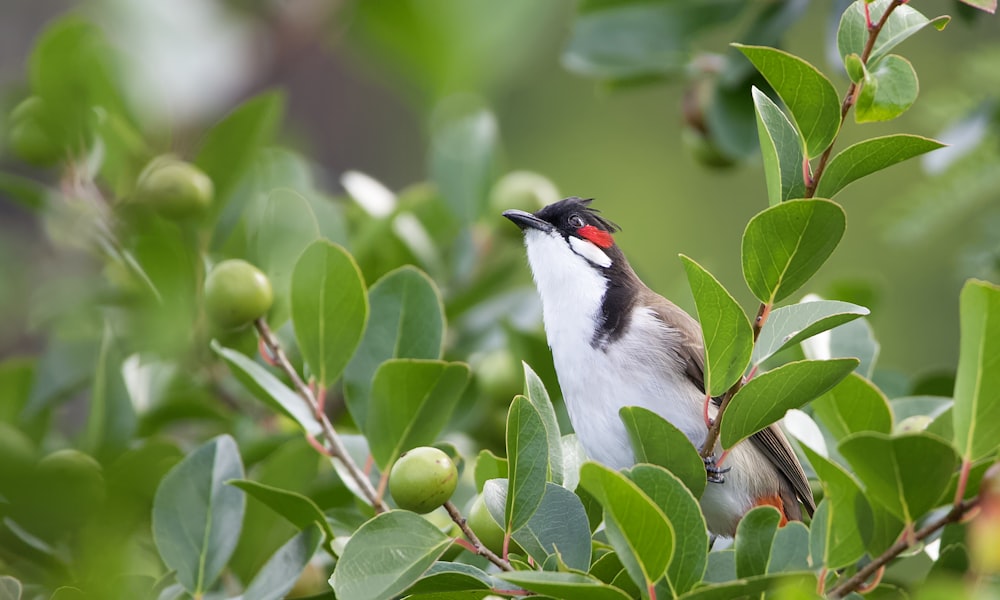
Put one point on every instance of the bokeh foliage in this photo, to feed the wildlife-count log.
(146, 453)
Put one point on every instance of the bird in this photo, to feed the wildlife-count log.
(616, 343)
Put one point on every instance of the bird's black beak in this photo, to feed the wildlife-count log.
(526, 220)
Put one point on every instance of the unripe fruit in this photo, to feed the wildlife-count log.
(71, 488)
(487, 530)
(423, 479)
(237, 293)
(174, 188)
(27, 136)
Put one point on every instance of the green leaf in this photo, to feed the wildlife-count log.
(657, 441)
(197, 517)
(632, 40)
(637, 528)
(329, 309)
(855, 68)
(111, 419)
(789, 325)
(558, 525)
(754, 539)
(808, 94)
(73, 70)
(282, 230)
(765, 398)
(450, 577)
(887, 91)
(366, 571)
(297, 509)
(564, 585)
(754, 587)
(269, 389)
(790, 550)
(64, 367)
(282, 570)
(977, 382)
(852, 34)
(68, 593)
(725, 329)
(840, 529)
(412, 401)
(910, 473)
(26, 192)
(781, 150)
(989, 6)
(462, 155)
(721, 566)
(667, 491)
(10, 588)
(853, 405)
(406, 320)
(489, 466)
(886, 529)
(869, 156)
(228, 149)
(784, 245)
(853, 339)
(527, 456)
(538, 396)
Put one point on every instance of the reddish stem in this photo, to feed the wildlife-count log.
(963, 481)
(316, 445)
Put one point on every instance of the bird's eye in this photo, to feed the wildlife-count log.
(576, 221)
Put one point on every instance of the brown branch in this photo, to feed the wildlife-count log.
(857, 580)
(850, 98)
(333, 443)
(479, 547)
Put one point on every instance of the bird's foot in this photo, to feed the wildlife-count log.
(715, 474)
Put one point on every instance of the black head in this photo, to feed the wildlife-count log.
(570, 237)
(573, 218)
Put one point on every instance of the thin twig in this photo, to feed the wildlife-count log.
(334, 444)
(479, 547)
(858, 579)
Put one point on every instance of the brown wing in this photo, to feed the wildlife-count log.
(770, 441)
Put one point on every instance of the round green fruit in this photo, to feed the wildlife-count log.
(423, 479)
(174, 188)
(490, 534)
(71, 487)
(237, 293)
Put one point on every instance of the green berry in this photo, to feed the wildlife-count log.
(423, 479)
(487, 530)
(174, 188)
(237, 293)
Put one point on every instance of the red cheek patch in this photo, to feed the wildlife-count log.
(599, 237)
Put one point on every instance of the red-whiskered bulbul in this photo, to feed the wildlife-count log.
(617, 343)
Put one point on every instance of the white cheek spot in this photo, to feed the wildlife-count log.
(590, 251)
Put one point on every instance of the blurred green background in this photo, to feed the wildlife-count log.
(366, 81)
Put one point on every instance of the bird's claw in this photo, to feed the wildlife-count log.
(715, 474)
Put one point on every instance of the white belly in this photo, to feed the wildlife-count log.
(596, 384)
